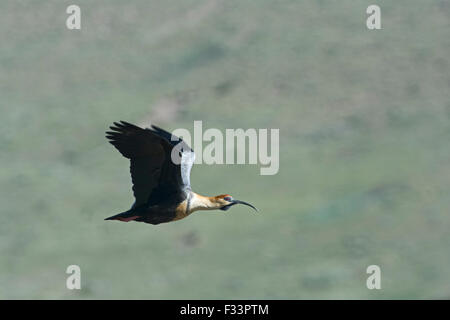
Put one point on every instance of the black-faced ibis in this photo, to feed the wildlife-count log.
(161, 185)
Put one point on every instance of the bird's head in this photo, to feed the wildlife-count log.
(225, 202)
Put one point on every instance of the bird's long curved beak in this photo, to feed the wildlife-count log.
(246, 203)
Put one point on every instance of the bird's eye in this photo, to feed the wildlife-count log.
(227, 198)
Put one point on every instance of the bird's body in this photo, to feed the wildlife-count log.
(160, 166)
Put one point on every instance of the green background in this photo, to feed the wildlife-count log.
(364, 148)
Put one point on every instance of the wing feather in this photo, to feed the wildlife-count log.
(153, 172)
(146, 156)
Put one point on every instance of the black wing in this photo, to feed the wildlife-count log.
(181, 154)
(150, 151)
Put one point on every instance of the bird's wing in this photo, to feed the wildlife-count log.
(146, 155)
(152, 168)
(182, 157)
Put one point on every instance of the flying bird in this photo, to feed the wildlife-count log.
(160, 166)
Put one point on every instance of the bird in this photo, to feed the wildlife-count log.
(160, 167)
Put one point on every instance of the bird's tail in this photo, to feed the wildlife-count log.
(124, 216)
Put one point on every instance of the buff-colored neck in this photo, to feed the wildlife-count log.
(199, 202)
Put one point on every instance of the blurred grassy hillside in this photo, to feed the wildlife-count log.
(364, 148)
